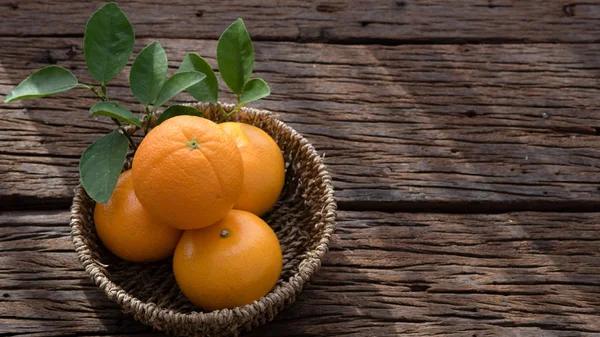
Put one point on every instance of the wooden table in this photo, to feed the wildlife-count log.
(463, 138)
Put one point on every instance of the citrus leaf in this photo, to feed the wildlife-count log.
(148, 73)
(100, 165)
(176, 84)
(114, 110)
(254, 89)
(44, 82)
(235, 56)
(107, 42)
(178, 110)
(208, 89)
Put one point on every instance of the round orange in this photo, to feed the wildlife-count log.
(231, 263)
(187, 172)
(128, 231)
(264, 168)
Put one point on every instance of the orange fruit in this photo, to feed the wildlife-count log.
(128, 230)
(187, 172)
(264, 168)
(231, 263)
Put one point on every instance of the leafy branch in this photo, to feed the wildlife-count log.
(108, 44)
(235, 58)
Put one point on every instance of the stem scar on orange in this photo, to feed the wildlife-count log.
(234, 262)
(264, 167)
(187, 172)
(128, 231)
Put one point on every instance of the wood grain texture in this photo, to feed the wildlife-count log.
(515, 274)
(411, 113)
(371, 21)
(436, 127)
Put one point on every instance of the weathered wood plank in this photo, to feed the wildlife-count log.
(344, 21)
(516, 274)
(412, 127)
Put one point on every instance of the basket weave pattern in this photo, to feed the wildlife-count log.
(303, 219)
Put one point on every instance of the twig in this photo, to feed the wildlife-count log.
(103, 87)
(125, 133)
(232, 112)
(102, 97)
(149, 117)
(105, 98)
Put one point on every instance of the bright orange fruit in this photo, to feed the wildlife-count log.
(264, 170)
(187, 172)
(234, 262)
(128, 231)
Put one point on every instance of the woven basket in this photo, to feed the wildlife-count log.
(303, 218)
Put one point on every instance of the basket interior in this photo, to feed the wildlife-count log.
(296, 219)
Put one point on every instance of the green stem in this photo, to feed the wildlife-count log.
(103, 88)
(82, 85)
(125, 133)
(223, 112)
(149, 116)
(231, 113)
(105, 98)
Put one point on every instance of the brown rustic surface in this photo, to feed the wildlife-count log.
(401, 127)
(465, 121)
(338, 21)
(393, 273)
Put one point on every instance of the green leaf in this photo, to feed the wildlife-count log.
(114, 110)
(178, 110)
(235, 56)
(44, 82)
(107, 42)
(176, 84)
(208, 89)
(148, 73)
(101, 164)
(254, 89)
